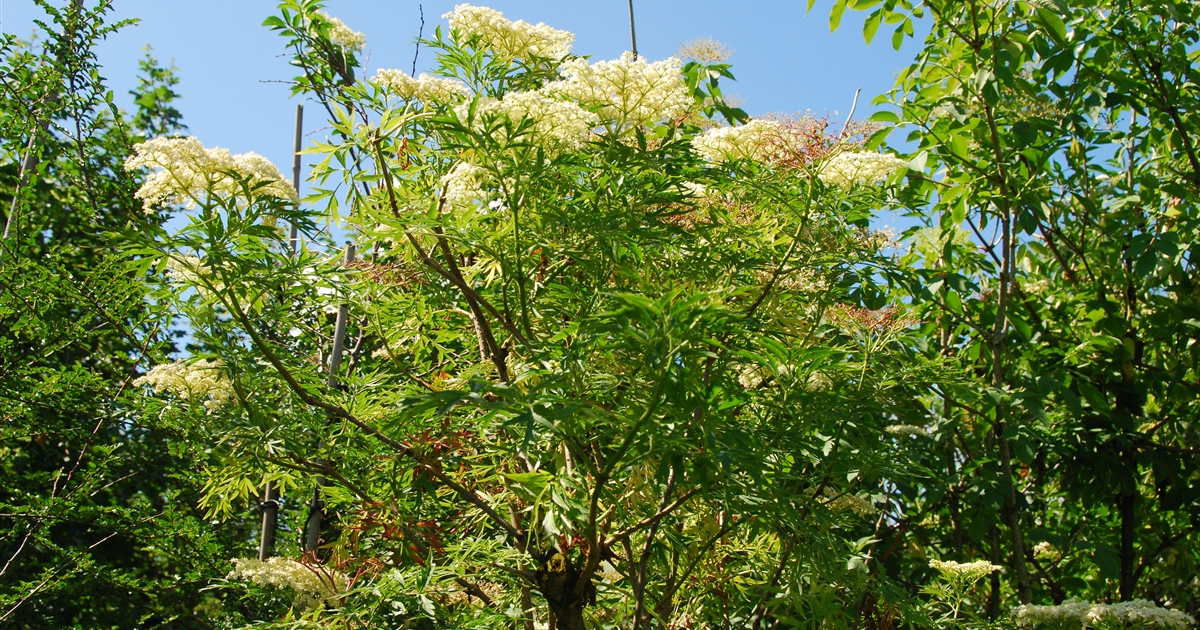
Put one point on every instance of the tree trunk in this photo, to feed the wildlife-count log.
(1127, 503)
(566, 596)
(1012, 515)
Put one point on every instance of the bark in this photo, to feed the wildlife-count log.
(1127, 503)
(558, 580)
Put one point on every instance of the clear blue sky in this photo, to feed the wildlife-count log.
(230, 66)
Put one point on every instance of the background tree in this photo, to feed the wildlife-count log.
(98, 513)
(1058, 208)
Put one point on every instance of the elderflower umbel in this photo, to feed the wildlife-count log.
(704, 50)
(905, 430)
(557, 125)
(424, 88)
(970, 571)
(508, 39)
(190, 270)
(312, 586)
(1077, 614)
(463, 185)
(751, 141)
(853, 168)
(341, 35)
(193, 381)
(626, 92)
(185, 172)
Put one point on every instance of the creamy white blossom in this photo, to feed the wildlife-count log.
(855, 168)
(195, 381)
(1077, 615)
(185, 172)
(341, 35)
(749, 141)
(423, 88)
(905, 430)
(508, 39)
(704, 50)
(626, 92)
(311, 585)
(969, 571)
(929, 241)
(557, 125)
(1045, 551)
(464, 185)
(190, 270)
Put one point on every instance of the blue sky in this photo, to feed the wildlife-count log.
(231, 68)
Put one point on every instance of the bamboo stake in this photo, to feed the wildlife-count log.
(270, 499)
(632, 31)
(317, 506)
(294, 237)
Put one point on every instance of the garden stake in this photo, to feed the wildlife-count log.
(270, 501)
(317, 506)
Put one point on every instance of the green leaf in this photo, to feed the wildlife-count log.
(885, 116)
(835, 16)
(871, 25)
(1054, 25)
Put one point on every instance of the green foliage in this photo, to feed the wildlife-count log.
(97, 514)
(1053, 261)
(611, 382)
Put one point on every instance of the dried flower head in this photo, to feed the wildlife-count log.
(626, 92)
(349, 39)
(186, 172)
(508, 39)
(704, 50)
(424, 88)
(860, 168)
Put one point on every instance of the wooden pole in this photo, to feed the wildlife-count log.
(294, 236)
(270, 499)
(316, 507)
(632, 30)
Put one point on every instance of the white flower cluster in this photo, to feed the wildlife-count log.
(969, 571)
(626, 92)
(1045, 551)
(312, 586)
(186, 172)
(424, 88)
(349, 39)
(464, 185)
(190, 270)
(905, 430)
(193, 381)
(508, 39)
(1138, 613)
(557, 125)
(704, 50)
(929, 241)
(853, 168)
(852, 503)
(750, 141)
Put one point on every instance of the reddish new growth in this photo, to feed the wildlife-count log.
(387, 273)
(802, 140)
(884, 320)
